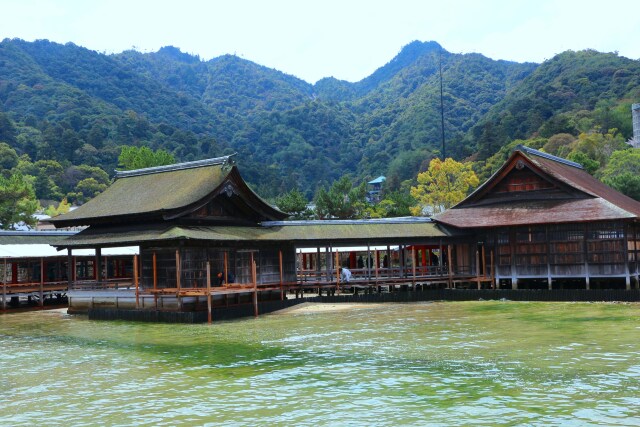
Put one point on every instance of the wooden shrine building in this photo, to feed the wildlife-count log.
(34, 274)
(548, 223)
(206, 239)
(199, 220)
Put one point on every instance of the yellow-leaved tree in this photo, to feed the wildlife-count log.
(443, 185)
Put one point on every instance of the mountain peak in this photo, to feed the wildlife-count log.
(176, 54)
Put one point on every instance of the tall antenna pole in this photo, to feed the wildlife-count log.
(444, 153)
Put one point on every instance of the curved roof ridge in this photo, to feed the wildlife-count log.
(224, 160)
(548, 156)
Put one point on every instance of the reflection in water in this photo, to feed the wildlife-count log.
(490, 362)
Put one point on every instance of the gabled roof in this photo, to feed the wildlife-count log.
(572, 195)
(168, 192)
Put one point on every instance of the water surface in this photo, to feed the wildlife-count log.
(469, 363)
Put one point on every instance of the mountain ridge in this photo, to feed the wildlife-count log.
(288, 132)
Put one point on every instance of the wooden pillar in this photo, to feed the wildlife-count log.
(413, 265)
(226, 268)
(402, 259)
(484, 261)
(98, 266)
(548, 246)
(155, 280)
(514, 268)
(136, 281)
(377, 263)
(493, 271)
(635, 251)
(281, 275)
(478, 268)
(337, 265)
(178, 276)
(627, 273)
(586, 257)
(4, 286)
(41, 294)
(388, 261)
(209, 311)
(69, 269)
(254, 278)
(450, 267)
(369, 261)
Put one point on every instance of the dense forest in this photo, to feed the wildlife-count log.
(66, 112)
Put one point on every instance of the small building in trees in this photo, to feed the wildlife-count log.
(374, 189)
(547, 223)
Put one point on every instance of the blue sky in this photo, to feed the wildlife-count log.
(340, 38)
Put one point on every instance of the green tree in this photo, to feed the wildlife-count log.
(342, 201)
(87, 189)
(443, 185)
(627, 183)
(8, 157)
(589, 164)
(295, 204)
(394, 204)
(620, 162)
(143, 157)
(18, 202)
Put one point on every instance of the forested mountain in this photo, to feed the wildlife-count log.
(77, 108)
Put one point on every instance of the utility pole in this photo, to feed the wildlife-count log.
(444, 153)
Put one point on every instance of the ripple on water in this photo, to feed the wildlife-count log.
(492, 363)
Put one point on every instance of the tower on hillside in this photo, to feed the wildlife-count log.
(635, 114)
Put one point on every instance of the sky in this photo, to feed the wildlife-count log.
(345, 39)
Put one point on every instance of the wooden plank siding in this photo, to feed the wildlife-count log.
(598, 250)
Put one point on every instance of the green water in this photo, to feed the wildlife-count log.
(476, 363)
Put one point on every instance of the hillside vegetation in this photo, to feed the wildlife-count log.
(66, 112)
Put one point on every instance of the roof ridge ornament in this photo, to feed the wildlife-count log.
(226, 161)
(548, 156)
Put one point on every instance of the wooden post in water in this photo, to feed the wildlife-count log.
(155, 280)
(209, 317)
(281, 276)
(136, 280)
(41, 282)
